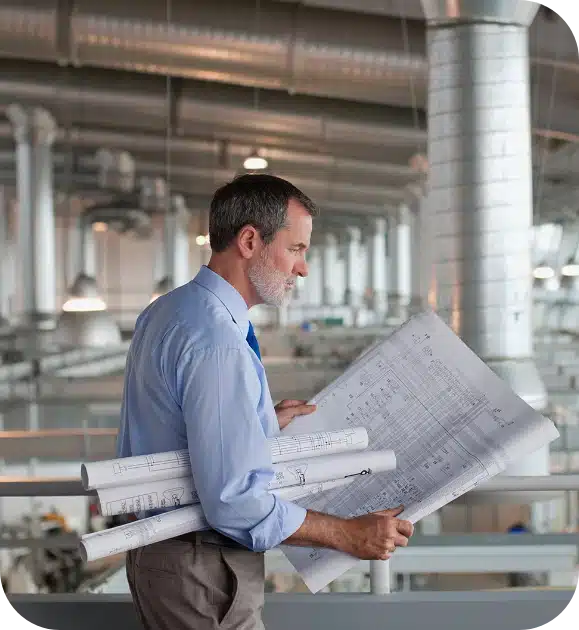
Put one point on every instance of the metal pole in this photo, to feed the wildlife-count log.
(380, 577)
(529, 483)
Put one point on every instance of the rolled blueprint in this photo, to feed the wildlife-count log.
(175, 464)
(175, 523)
(154, 495)
(300, 472)
(144, 532)
(167, 493)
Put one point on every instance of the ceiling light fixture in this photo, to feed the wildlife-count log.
(255, 162)
(84, 296)
(543, 272)
(571, 269)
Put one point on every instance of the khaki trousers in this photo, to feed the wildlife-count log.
(198, 585)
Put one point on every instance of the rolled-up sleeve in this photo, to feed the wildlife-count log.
(229, 450)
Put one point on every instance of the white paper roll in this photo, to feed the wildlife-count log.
(174, 523)
(167, 493)
(154, 495)
(127, 471)
(332, 467)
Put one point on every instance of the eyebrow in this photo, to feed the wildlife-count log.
(300, 245)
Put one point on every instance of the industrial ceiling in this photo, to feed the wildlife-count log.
(333, 92)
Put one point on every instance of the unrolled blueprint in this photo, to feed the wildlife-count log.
(172, 464)
(175, 523)
(169, 493)
(451, 421)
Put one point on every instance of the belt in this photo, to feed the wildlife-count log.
(210, 537)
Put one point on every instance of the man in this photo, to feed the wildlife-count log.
(194, 379)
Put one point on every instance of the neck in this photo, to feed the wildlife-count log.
(234, 272)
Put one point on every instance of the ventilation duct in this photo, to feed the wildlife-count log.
(281, 46)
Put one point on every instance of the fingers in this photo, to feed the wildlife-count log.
(400, 540)
(391, 511)
(384, 556)
(290, 402)
(300, 410)
(405, 527)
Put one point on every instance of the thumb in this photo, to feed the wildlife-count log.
(391, 511)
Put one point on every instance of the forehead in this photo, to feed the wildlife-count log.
(299, 220)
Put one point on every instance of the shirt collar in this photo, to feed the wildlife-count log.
(227, 294)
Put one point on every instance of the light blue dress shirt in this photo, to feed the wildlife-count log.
(192, 381)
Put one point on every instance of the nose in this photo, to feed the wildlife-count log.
(301, 268)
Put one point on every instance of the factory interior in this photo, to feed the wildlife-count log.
(438, 140)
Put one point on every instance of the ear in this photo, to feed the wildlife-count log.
(248, 241)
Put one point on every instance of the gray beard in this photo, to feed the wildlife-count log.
(269, 283)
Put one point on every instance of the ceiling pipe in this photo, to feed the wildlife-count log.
(329, 190)
(214, 152)
(137, 103)
(282, 45)
(197, 194)
(92, 97)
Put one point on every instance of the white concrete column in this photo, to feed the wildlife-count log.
(34, 132)
(353, 292)
(176, 243)
(329, 262)
(416, 301)
(4, 252)
(399, 264)
(377, 267)
(568, 264)
(481, 213)
(88, 254)
(313, 283)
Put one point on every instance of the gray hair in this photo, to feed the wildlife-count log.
(257, 200)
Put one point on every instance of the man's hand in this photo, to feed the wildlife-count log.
(287, 410)
(375, 536)
(372, 536)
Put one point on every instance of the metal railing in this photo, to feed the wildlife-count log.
(380, 572)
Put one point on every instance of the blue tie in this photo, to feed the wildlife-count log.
(252, 341)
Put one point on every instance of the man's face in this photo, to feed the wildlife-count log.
(274, 273)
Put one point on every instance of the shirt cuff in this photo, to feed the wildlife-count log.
(289, 517)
